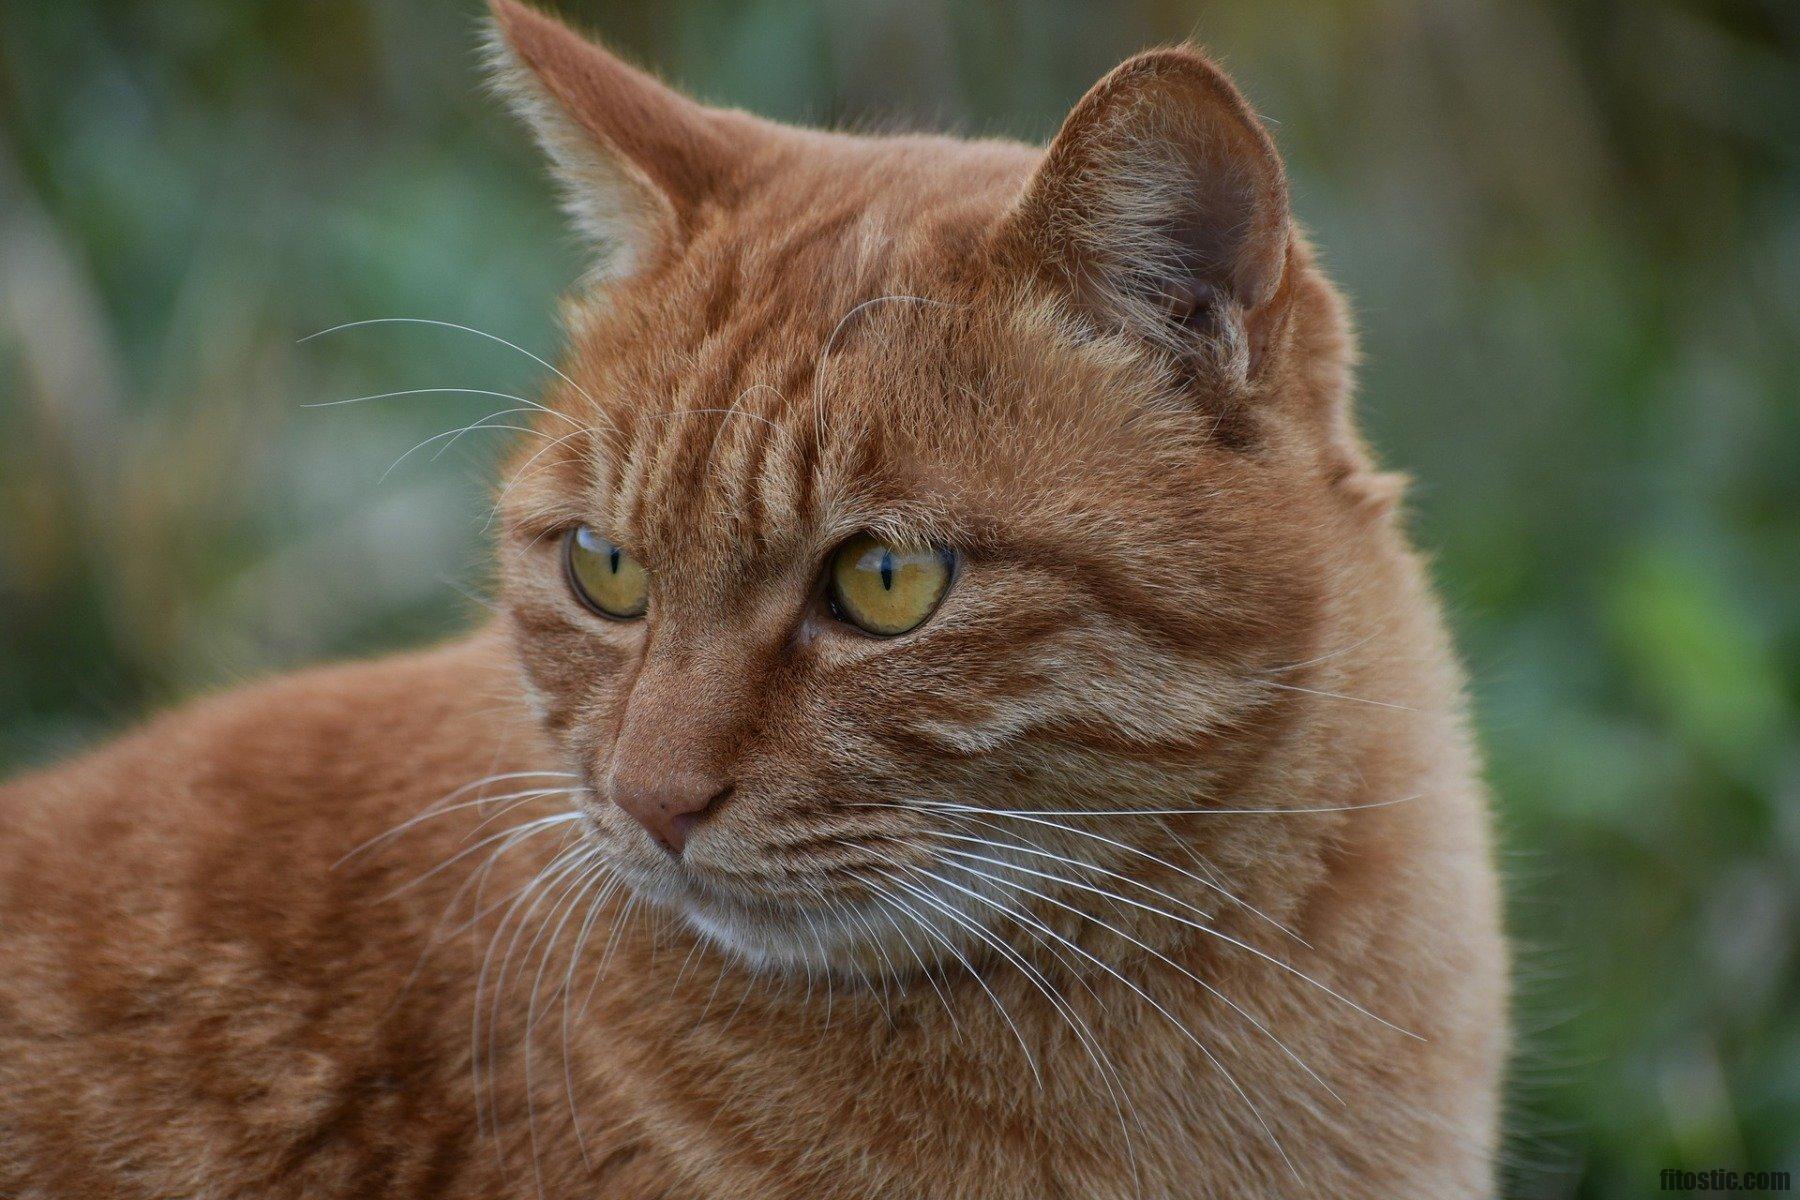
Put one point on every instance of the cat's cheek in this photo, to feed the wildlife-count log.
(573, 672)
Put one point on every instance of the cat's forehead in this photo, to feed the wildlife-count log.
(772, 432)
(803, 374)
(880, 397)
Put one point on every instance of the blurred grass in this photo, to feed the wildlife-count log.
(1572, 233)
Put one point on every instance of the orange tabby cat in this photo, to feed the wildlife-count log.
(964, 721)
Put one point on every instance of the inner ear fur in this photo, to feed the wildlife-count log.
(635, 158)
(1162, 207)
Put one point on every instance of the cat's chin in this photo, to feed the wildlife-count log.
(761, 940)
(774, 935)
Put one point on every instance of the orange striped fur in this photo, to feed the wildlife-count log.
(1154, 864)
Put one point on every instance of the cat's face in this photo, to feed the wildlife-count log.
(864, 546)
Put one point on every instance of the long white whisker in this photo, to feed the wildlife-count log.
(968, 812)
(454, 434)
(487, 1114)
(1284, 668)
(881, 894)
(568, 904)
(524, 471)
(1186, 812)
(880, 998)
(1209, 931)
(1293, 687)
(1147, 998)
(538, 825)
(1090, 1043)
(728, 412)
(1039, 851)
(613, 937)
(818, 398)
(992, 942)
(1209, 874)
(462, 329)
(1209, 988)
(596, 869)
(440, 810)
(824, 966)
(598, 902)
(528, 402)
(534, 892)
(475, 880)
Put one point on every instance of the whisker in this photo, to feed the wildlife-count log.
(619, 921)
(1177, 812)
(882, 895)
(1115, 1084)
(1108, 968)
(728, 412)
(1284, 668)
(568, 905)
(681, 972)
(530, 404)
(476, 878)
(535, 826)
(880, 998)
(596, 869)
(1030, 848)
(480, 333)
(985, 937)
(966, 811)
(546, 878)
(1293, 687)
(525, 471)
(439, 810)
(1209, 988)
(455, 434)
(1210, 932)
(824, 966)
(598, 901)
(818, 398)
(486, 1113)
(894, 975)
(1208, 875)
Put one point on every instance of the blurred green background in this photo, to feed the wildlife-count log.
(1571, 232)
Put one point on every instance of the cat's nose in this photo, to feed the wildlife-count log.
(668, 804)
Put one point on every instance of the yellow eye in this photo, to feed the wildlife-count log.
(883, 589)
(606, 579)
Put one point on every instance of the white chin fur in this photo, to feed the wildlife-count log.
(771, 941)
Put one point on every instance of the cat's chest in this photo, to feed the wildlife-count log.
(693, 1077)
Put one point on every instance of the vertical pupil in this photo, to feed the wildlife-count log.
(612, 560)
(887, 570)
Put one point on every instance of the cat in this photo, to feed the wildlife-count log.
(962, 719)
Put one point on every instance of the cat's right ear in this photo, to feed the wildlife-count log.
(635, 158)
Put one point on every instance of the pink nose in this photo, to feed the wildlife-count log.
(667, 804)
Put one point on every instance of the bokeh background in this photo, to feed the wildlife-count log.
(1571, 232)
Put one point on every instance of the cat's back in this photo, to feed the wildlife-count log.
(310, 749)
(193, 964)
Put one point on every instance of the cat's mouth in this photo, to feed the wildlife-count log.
(750, 903)
(780, 928)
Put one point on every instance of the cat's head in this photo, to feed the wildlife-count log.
(902, 498)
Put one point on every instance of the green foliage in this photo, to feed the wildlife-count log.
(1572, 233)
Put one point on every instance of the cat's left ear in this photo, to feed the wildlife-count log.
(1163, 207)
(635, 158)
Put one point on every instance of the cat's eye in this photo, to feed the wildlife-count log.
(604, 577)
(885, 589)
